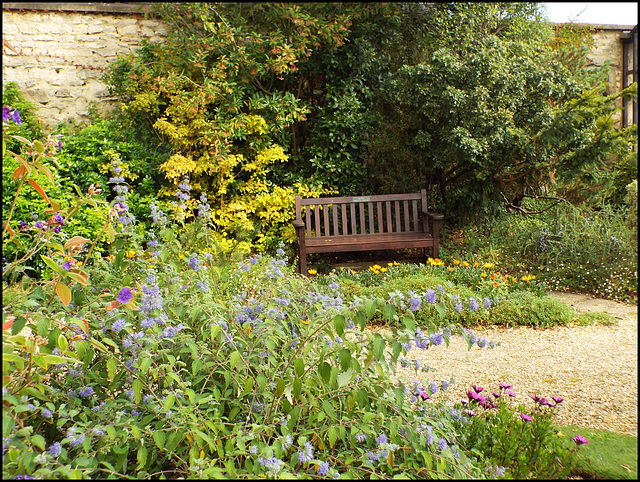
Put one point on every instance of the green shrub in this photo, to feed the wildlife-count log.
(524, 308)
(632, 217)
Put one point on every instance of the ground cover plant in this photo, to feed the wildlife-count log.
(153, 361)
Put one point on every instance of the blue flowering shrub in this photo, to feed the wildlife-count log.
(160, 362)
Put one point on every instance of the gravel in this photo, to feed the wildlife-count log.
(593, 368)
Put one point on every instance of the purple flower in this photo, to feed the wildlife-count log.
(442, 444)
(482, 342)
(459, 307)
(580, 440)
(125, 296)
(557, 399)
(59, 218)
(306, 454)
(437, 339)
(47, 413)
(118, 325)
(477, 388)
(55, 450)
(505, 385)
(473, 304)
(66, 265)
(382, 439)
(361, 437)
(496, 394)
(6, 113)
(526, 417)
(78, 441)
(86, 392)
(194, 263)
(487, 303)
(431, 296)
(423, 394)
(16, 117)
(59, 146)
(511, 394)
(323, 468)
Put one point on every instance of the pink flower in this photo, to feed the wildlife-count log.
(505, 385)
(527, 418)
(558, 399)
(580, 440)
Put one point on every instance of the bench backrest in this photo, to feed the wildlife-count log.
(360, 215)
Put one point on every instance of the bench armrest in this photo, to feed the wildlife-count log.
(434, 216)
(298, 224)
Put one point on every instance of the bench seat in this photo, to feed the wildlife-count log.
(365, 223)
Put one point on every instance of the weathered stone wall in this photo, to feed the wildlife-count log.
(608, 47)
(57, 57)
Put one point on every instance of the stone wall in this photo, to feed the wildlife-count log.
(57, 56)
(57, 52)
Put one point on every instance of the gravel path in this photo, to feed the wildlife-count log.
(593, 368)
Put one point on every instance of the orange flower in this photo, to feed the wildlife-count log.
(496, 284)
(465, 264)
(456, 262)
(450, 269)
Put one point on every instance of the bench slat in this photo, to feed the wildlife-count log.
(415, 216)
(405, 205)
(325, 215)
(344, 220)
(354, 228)
(316, 210)
(380, 223)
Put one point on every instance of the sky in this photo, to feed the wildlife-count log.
(595, 13)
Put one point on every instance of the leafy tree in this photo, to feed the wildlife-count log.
(220, 92)
(490, 112)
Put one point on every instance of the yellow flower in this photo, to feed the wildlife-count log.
(395, 263)
(130, 254)
(450, 269)
(484, 275)
(476, 264)
(383, 270)
(390, 263)
(465, 264)
(456, 262)
(312, 272)
(353, 271)
(488, 265)
(375, 271)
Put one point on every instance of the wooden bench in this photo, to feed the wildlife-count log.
(365, 223)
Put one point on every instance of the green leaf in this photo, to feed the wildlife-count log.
(144, 366)
(409, 322)
(112, 365)
(339, 323)
(361, 320)
(325, 371)
(18, 325)
(234, 358)
(344, 356)
(389, 311)
(137, 389)
(328, 408)
(370, 307)
(52, 264)
(345, 378)
(63, 344)
(111, 432)
(280, 386)
(298, 364)
(142, 456)
(168, 402)
(39, 441)
(262, 381)
(159, 438)
(297, 388)
(332, 433)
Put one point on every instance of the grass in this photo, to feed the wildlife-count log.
(608, 455)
